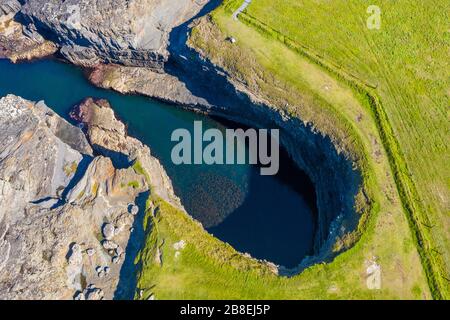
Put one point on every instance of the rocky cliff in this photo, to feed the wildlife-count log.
(17, 42)
(128, 32)
(127, 53)
(67, 213)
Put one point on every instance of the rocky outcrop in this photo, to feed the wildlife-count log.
(60, 204)
(18, 42)
(108, 136)
(40, 154)
(162, 86)
(133, 33)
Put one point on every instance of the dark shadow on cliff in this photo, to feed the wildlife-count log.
(205, 80)
(183, 65)
(126, 287)
(118, 159)
(79, 174)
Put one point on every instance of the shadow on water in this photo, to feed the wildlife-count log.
(126, 287)
(79, 174)
(278, 218)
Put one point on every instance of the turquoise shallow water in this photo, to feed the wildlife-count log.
(270, 217)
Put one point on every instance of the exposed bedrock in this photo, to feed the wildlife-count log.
(128, 32)
(58, 200)
(108, 137)
(18, 42)
(335, 178)
(333, 174)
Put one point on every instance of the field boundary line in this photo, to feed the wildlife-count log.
(418, 221)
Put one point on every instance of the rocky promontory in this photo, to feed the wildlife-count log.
(17, 41)
(67, 212)
(141, 47)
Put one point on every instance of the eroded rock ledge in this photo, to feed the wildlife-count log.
(66, 215)
(121, 31)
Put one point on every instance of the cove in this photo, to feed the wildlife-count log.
(270, 217)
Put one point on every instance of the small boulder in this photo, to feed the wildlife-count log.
(179, 245)
(134, 210)
(373, 280)
(108, 231)
(158, 257)
(231, 39)
(75, 256)
(90, 252)
(109, 245)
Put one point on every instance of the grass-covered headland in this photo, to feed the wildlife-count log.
(382, 96)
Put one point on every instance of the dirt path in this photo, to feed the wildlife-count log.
(241, 8)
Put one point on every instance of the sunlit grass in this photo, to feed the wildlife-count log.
(381, 96)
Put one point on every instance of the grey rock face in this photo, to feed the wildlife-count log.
(108, 231)
(50, 251)
(39, 153)
(128, 32)
(106, 132)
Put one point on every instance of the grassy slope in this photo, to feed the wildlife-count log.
(407, 61)
(207, 268)
(429, 227)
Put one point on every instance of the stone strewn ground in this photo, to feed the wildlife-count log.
(65, 216)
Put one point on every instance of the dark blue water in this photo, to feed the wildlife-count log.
(270, 217)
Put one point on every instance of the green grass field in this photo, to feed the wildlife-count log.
(209, 269)
(408, 62)
(382, 96)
